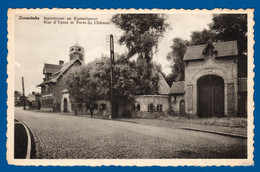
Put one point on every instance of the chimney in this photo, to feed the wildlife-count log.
(61, 62)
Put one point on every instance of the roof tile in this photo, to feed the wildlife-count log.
(222, 49)
(177, 87)
(163, 85)
(51, 68)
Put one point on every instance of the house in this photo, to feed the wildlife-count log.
(34, 100)
(212, 87)
(54, 93)
(18, 98)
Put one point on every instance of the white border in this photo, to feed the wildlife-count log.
(127, 162)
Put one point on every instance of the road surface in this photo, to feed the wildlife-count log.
(59, 136)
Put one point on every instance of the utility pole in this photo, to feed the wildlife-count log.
(112, 74)
(23, 94)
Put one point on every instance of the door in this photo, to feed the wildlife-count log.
(182, 107)
(210, 96)
(65, 105)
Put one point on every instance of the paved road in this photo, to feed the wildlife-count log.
(62, 136)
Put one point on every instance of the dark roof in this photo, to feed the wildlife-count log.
(51, 68)
(163, 86)
(222, 49)
(44, 83)
(19, 93)
(177, 87)
(58, 74)
(64, 68)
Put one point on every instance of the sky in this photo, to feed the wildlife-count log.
(37, 43)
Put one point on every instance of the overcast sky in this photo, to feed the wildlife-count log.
(37, 43)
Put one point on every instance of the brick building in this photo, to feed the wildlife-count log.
(53, 88)
(212, 86)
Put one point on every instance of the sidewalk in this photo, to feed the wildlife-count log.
(229, 131)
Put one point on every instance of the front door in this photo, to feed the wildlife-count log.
(65, 105)
(182, 107)
(210, 96)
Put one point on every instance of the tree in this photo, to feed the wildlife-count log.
(141, 34)
(91, 82)
(225, 27)
(175, 56)
(230, 27)
(201, 37)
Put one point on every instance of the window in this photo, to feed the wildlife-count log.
(159, 107)
(103, 106)
(47, 89)
(136, 107)
(151, 107)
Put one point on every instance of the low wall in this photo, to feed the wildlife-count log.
(145, 100)
(147, 114)
(47, 109)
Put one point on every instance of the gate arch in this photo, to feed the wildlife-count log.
(210, 96)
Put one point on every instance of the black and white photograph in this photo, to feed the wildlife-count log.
(130, 87)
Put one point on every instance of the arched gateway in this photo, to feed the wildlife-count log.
(210, 96)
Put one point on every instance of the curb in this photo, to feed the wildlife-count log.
(194, 129)
(215, 132)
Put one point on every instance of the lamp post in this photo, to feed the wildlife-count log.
(23, 94)
(112, 59)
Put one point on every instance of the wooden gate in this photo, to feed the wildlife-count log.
(210, 96)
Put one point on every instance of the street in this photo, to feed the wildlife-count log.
(59, 136)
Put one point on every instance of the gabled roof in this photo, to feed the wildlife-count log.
(64, 68)
(19, 93)
(76, 45)
(221, 49)
(177, 88)
(51, 68)
(58, 74)
(164, 88)
(225, 49)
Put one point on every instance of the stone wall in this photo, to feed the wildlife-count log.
(145, 100)
(97, 112)
(148, 115)
(225, 67)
